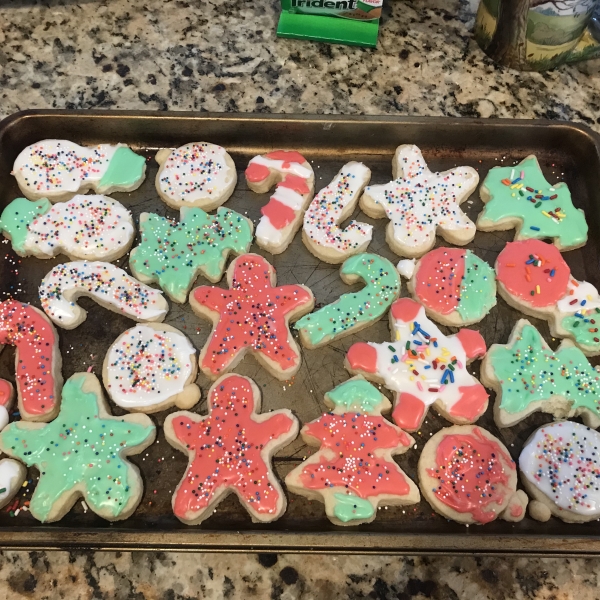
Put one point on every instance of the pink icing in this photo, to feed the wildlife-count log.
(472, 343)
(405, 309)
(256, 172)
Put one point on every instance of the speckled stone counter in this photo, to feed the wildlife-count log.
(222, 55)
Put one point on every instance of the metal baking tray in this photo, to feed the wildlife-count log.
(567, 152)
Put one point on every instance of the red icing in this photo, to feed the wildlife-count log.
(362, 357)
(405, 309)
(6, 393)
(516, 510)
(355, 440)
(439, 278)
(471, 404)
(287, 156)
(521, 279)
(472, 343)
(34, 337)
(225, 450)
(471, 475)
(409, 411)
(256, 172)
(252, 316)
(278, 213)
(293, 182)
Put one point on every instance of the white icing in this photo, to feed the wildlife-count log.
(195, 172)
(89, 226)
(57, 166)
(3, 417)
(584, 291)
(571, 463)
(406, 267)
(289, 197)
(10, 478)
(420, 201)
(145, 366)
(278, 165)
(266, 233)
(321, 220)
(105, 283)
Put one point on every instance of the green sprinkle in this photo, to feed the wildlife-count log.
(538, 204)
(392, 348)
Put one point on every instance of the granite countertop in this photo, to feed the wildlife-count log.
(222, 55)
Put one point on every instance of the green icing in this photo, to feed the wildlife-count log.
(172, 253)
(18, 215)
(356, 394)
(506, 202)
(529, 372)
(349, 507)
(78, 447)
(124, 169)
(350, 310)
(478, 288)
(579, 328)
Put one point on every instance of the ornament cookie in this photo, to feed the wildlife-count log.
(455, 286)
(230, 450)
(321, 232)
(354, 472)
(86, 227)
(282, 215)
(150, 368)
(38, 360)
(356, 310)
(560, 469)
(534, 278)
(520, 198)
(423, 367)
(528, 376)
(59, 169)
(468, 475)
(173, 254)
(82, 453)
(421, 203)
(108, 285)
(251, 316)
(197, 174)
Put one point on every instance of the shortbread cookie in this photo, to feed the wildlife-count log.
(173, 254)
(455, 286)
(282, 215)
(534, 278)
(356, 310)
(520, 198)
(560, 468)
(468, 475)
(354, 472)
(59, 169)
(420, 203)
(38, 360)
(322, 233)
(82, 453)
(86, 227)
(197, 174)
(108, 285)
(528, 376)
(230, 451)
(251, 316)
(423, 367)
(150, 368)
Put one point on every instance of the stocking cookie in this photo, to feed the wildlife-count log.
(59, 169)
(560, 469)
(282, 215)
(150, 368)
(422, 366)
(82, 453)
(197, 174)
(520, 197)
(86, 227)
(356, 310)
(230, 451)
(251, 316)
(420, 203)
(321, 232)
(173, 254)
(534, 278)
(37, 360)
(353, 472)
(108, 285)
(467, 475)
(528, 376)
(455, 286)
